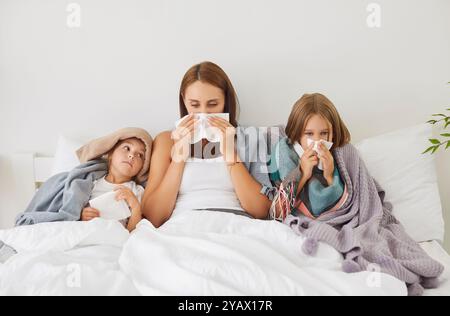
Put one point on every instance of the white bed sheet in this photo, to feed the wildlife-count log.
(74, 258)
(435, 250)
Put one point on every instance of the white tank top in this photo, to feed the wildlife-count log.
(206, 184)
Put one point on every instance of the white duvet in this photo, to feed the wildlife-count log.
(195, 253)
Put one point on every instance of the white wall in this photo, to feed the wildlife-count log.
(124, 65)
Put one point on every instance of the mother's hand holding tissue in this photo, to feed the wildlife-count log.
(183, 137)
(227, 139)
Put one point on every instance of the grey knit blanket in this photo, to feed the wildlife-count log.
(63, 197)
(365, 231)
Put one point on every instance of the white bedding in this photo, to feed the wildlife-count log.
(435, 250)
(196, 253)
(75, 258)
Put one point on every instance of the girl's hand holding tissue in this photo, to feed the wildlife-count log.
(89, 213)
(308, 161)
(123, 193)
(328, 162)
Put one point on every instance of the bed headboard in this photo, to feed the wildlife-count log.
(30, 171)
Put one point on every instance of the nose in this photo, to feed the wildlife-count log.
(315, 138)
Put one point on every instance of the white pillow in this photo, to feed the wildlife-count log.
(65, 155)
(409, 178)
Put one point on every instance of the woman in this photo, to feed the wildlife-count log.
(204, 176)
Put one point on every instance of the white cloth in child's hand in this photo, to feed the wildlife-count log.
(300, 151)
(204, 130)
(110, 208)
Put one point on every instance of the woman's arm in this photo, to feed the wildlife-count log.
(162, 189)
(248, 191)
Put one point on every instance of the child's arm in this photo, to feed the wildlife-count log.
(123, 193)
(136, 217)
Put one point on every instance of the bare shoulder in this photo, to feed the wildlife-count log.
(162, 149)
(164, 140)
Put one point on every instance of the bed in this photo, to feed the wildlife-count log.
(236, 257)
(208, 253)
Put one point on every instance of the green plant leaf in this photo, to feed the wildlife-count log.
(428, 150)
(446, 135)
(435, 149)
(447, 124)
(442, 115)
(432, 122)
(448, 145)
(435, 141)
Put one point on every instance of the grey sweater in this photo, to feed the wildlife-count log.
(254, 151)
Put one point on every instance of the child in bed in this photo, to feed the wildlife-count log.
(125, 162)
(302, 166)
(73, 195)
(331, 197)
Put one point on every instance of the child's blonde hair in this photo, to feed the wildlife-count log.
(316, 104)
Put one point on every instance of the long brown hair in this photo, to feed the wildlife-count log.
(309, 105)
(212, 74)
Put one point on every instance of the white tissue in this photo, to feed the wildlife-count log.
(109, 208)
(300, 151)
(204, 130)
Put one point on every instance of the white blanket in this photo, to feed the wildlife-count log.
(70, 258)
(195, 253)
(213, 253)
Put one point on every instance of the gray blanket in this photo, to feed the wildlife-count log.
(63, 197)
(365, 231)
